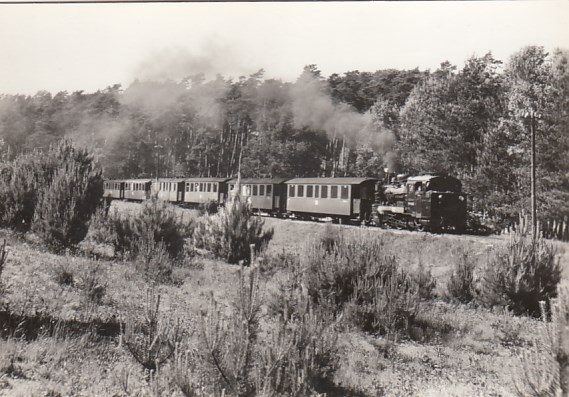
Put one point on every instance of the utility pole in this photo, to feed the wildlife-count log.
(533, 181)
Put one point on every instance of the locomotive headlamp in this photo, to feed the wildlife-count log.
(440, 196)
(461, 198)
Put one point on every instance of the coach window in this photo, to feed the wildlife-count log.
(291, 190)
(333, 192)
(344, 192)
(209, 187)
(324, 192)
(255, 188)
(214, 187)
(201, 187)
(269, 189)
(309, 191)
(317, 191)
(300, 192)
(261, 190)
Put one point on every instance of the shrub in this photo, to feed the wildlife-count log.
(294, 357)
(424, 281)
(63, 273)
(229, 233)
(68, 198)
(92, 283)
(208, 208)
(156, 223)
(354, 278)
(543, 369)
(18, 192)
(461, 285)
(152, 341)
(521, 274)
(153, 260)
(101, 228)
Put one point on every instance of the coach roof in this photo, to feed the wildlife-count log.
(329, 181)
(260, 181)
(206, 179)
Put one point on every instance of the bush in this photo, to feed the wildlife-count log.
(543, 369)
(156, 223)
(521, 274)
(461, 285)
(54, 192)
(65, 207)
(18, 192)
(351, 277)
(208, 208)
(229, 233)
(152, 341)
(296, 355)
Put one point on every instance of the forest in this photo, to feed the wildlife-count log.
(471, 121)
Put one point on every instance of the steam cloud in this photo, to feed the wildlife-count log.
(214, 57)
(313, 108)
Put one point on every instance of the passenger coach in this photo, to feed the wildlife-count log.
(137, 189)
(114, 189)
(342, 199)
(264, 194)
(169, 189)
(203, 190)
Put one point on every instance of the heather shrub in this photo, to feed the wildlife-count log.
(230, 233)
(156, 223)
(461, 284)
(521, 274)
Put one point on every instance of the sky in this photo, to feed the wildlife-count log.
(57, 47)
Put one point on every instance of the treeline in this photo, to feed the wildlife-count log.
(473, 122)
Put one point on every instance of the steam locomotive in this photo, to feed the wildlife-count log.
(424, 202)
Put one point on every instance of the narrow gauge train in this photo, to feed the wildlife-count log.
(425, 202)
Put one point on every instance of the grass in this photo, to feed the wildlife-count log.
(473, 354)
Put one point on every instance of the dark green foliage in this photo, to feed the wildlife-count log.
(230, 233)
(461, 285)
(156, 223)
(520, 275)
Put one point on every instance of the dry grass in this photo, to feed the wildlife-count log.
(474, 356)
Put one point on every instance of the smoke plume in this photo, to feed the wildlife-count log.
(314, 108)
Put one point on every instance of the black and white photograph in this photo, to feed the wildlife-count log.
(284, 199)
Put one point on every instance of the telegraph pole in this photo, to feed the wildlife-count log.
(533, 179)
